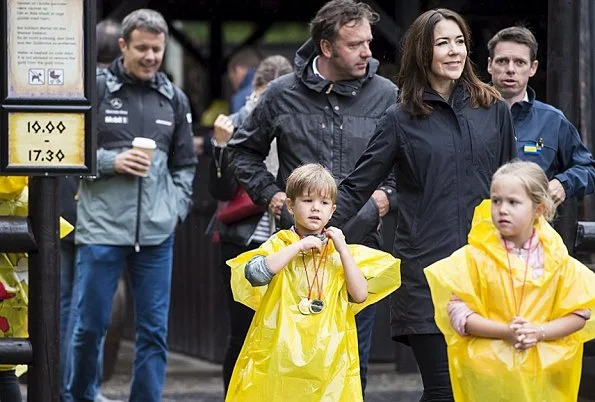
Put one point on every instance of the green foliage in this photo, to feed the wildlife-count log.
(237, 32)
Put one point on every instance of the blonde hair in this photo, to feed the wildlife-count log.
(534, 181)
(311, 178)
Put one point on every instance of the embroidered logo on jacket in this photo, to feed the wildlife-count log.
(163, 122)
(116, 119)
(116, 103)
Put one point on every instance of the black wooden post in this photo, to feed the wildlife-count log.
(44, 291)
(563, 91)
(216, 67)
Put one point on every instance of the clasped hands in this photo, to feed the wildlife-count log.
(524, 334)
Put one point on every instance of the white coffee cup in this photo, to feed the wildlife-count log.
(145, 145)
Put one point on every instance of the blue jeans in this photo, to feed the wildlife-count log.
(67, 280)
(99, 268)
(68, 316)
(365, 324)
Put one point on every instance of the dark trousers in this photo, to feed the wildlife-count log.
(240, 316)
(9, 387)
(364, 320)
(432, 360)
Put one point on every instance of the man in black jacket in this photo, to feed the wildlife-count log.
(324, 112)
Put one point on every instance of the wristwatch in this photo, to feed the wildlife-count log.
(391, 195)
(388, 190)
(216, 144)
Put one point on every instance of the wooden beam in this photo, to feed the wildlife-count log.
(187, 43)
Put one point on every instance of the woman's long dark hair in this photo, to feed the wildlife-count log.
(416, 63)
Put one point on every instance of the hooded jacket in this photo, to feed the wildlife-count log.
(491, 370)
(443, 164)
(119, 209)
(313, 120)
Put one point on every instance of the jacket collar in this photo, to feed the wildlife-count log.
(303, 70)
(457, 99)
(118, 77)
(522, 108)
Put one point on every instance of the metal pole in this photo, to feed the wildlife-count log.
(563, 91)
(44, 291)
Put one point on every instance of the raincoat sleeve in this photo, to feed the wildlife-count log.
(454, 275)
(243, 291)
(576, 292)
(381, 270)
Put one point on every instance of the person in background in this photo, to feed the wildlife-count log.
(544, 135)
(250, 232)
(128, 213)
(444, 139)
(240, 69)
(324, 112)
(107, 34)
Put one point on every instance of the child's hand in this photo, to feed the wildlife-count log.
(526, 333)
(529, 334)
(512, 337)
(310, 242)
(338, 238)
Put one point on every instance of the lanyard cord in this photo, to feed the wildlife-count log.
(517, 308)
(319, 284)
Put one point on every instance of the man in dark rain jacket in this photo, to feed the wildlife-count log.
(128, 213)
(325, 112)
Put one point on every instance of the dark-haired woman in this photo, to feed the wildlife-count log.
(443, 140)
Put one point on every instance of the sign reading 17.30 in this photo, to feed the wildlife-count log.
(46, 139)
(38, 155)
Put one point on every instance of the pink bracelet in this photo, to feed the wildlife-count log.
(542, 333)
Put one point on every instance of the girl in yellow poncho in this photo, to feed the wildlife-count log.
(306, 286)
(13, 283)
(513, 305)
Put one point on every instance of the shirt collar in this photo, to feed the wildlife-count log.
(315, 68)
(526, 97)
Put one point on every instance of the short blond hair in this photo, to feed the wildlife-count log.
(311, 178)
(534, 181)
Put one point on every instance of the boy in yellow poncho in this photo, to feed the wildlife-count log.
(306, 286)
(514, 307)
(14, 283)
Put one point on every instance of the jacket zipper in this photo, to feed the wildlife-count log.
(140, 184)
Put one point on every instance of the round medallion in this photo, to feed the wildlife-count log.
(316, 306)
(304, 306)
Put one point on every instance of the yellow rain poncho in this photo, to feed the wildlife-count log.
(487, 370)
(288, 356)
(14, 288)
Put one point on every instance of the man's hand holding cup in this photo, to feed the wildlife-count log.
(137, 160)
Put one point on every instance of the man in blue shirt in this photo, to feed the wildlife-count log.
(240, 69)
(544, 135)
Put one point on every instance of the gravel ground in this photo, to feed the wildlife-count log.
(190, 379)
(195, 380)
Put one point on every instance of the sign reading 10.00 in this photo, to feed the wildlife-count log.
(46, 139)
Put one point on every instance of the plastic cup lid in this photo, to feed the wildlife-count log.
(142, 142)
